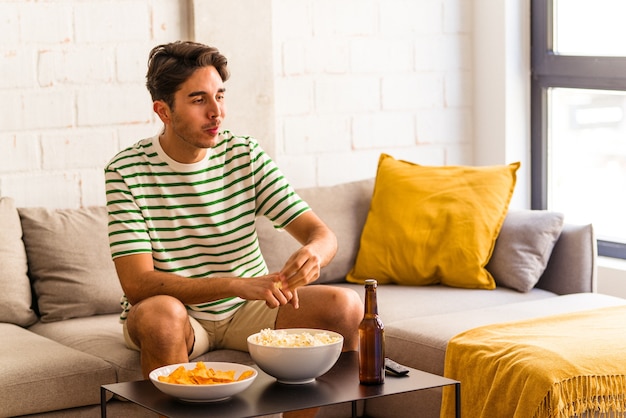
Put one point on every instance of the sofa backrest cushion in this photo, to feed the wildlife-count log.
(523, 247)
(343, 208)
(69, 262)
(433, 225)
(15, 294)
(572, 267)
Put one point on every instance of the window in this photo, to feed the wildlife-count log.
(578, 115)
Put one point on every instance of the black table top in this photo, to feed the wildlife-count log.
(266, 396)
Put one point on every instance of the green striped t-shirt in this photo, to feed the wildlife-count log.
(197, 220)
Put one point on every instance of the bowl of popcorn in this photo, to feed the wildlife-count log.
(295, 355)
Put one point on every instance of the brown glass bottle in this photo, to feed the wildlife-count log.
(371, 340)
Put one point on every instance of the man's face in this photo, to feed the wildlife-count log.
(198, 111)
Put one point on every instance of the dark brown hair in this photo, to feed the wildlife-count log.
(170, 65)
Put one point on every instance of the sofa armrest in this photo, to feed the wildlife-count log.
(572, 267)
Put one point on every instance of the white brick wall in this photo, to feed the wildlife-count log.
(355, 78)
(345, 81)
(72, 89)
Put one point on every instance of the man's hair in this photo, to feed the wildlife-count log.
(170, 65)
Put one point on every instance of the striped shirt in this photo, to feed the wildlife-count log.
(197, 220)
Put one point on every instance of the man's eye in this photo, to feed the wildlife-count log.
(198, 100)
(220, 97)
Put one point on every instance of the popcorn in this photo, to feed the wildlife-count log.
(280, 338)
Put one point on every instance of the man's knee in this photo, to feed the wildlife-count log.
(157, 315)
(349, 300)
(345, 307)
(160, 306)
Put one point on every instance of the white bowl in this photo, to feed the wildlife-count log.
(296, 365)
(203, 393)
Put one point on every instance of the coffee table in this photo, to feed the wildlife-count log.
(266, 396)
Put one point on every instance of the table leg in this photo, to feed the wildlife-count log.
(354, 409)
(103, 402)
(457, 399)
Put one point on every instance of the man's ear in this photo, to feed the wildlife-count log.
(163, 110)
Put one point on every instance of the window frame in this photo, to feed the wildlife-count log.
(549, 69)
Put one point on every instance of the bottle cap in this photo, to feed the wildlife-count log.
(371, 282)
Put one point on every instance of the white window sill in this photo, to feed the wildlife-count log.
(612, 276)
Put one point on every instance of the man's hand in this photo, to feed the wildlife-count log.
(319, 246)
(140, 281)
(303, 267)
(273, 288)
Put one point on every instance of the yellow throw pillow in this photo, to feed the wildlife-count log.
(430, 225)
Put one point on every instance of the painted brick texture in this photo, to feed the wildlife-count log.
(351, 79)
(359, 77)
(72, 77)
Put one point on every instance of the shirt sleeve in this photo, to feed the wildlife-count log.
(276, 198)
(128, 233)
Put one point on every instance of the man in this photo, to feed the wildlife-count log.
(181, 209)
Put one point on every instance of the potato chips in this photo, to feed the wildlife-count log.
(200, 375)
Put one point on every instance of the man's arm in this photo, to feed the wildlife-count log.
(139, 281)
(319, 246)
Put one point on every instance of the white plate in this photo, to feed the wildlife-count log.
(203, 393)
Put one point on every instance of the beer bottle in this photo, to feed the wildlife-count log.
(371, 340)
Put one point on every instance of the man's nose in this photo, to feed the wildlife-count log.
(214, 110)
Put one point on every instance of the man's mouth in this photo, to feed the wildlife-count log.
(212, 130)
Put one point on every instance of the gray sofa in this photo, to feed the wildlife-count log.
(59, 305)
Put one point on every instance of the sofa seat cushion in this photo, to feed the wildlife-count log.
(396, 302)
(100, 336)
(421, 342)
(40, 375)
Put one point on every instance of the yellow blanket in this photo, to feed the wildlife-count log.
(556, 366)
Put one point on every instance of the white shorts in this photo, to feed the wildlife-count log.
(230, 333)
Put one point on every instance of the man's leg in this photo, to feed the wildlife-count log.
(324, 307)
(321, 306)
(160, 327)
